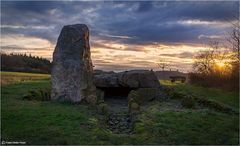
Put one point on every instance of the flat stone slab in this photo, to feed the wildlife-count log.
(131, 79)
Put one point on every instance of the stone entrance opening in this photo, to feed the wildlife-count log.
(116, 98)
(116, 92)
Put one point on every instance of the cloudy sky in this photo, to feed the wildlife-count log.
(123, 35)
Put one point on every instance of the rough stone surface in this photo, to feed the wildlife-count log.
(106, 80)
(138, 79)
(142, 95)
(100, 72)
(131, 79)
(72, 71)
(100, 95)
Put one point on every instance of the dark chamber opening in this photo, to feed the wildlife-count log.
(116, 92)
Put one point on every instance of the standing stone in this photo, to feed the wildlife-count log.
(72, 70)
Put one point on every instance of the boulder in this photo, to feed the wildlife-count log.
(131, 79)
(106, 80)
(72, 70)
(143, 95)
(138, 79)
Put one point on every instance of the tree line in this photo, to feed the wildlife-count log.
(24, 63)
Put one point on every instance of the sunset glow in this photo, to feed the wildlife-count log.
(221, 64)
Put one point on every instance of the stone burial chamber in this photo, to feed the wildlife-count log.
(119, 85)
(72, 70)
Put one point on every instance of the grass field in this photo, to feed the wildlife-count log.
(48, 122)
(225, 97)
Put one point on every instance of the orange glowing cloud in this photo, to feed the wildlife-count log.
(112, 55)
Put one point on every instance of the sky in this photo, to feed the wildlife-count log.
(123, 35)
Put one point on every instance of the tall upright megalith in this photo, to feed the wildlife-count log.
(72, 70)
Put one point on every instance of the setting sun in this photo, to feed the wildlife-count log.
(220, 64)
(223, 67)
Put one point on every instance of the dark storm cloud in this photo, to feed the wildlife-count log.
(50, 15)
(145, 22)
(208, 10)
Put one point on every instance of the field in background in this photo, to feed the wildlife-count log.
(18, 77)
(48, 122)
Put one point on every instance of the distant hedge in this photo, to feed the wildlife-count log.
(24, 63)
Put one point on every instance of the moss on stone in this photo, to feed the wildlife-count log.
(134, 106)
(142, 95)
(102, 108)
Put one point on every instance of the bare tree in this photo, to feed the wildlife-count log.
(234, 36)
(162, 64)
(206, 62)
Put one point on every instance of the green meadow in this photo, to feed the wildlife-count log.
(50, 122)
